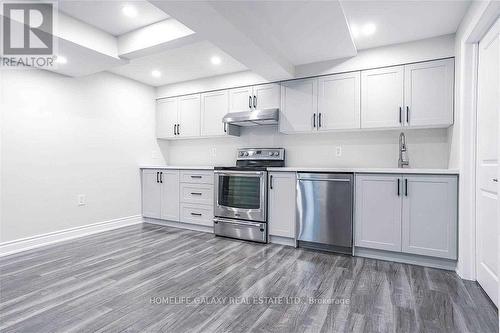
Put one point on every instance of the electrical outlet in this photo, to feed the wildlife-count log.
(214, 152)
(82, 200)
(338, 151)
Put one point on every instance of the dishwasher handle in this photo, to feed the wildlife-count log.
(341, 180)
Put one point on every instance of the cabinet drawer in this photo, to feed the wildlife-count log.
(197, 193)
(197, 177)
(197, 214)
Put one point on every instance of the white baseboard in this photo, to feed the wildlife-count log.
(28, 243)
(181, 225)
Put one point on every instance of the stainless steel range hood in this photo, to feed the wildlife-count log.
(253, 118)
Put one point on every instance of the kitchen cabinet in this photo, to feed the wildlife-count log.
(197, 197)
(430, 216)
(259, 97)
(178, 117)
(151, 193)
(214, 106)
(339, 102)
(160, 194)
(382, 97)
(429, 94)
(416, 95)
(411, 214)
(378, 212)
(166, 117)
(299, 106)
(282, 204)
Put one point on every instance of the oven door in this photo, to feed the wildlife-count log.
(241, 195)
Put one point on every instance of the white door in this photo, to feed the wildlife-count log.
(339, 102)
(267, 96)
(430, 223)
(189, 116)
(151, 193)
(429, 94)
(240, 99)
(487, 163)
(166, 117)
(377, 213)
(214, 106)
(169, 182)
(299, 106)
(282, 204)
(382, 97)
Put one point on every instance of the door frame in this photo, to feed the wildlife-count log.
(479, 19)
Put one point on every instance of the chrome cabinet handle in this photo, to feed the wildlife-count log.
(157, 179)
(195, 193)
(406, 187)
(249, 102)
(400, 115)
(271, 182)
(195, 176)
(161, 177)
(407, 114)
(254, 101)
(314, 120)
(196, 214)
(398, 188)
(319, 120)
(178, 129)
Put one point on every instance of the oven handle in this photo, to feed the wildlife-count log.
(240, 173)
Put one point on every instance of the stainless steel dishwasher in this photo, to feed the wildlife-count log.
(325, 211)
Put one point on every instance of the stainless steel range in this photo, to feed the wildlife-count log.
(241, 194)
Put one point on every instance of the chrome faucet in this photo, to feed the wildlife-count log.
(403, 152)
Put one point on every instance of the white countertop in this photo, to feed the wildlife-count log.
(323, 169)
(177, 167)
(369, 170)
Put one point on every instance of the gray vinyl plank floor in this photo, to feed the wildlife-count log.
(149, 278)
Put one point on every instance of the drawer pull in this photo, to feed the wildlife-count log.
(196, 214)
(195, 193)
(195, 176)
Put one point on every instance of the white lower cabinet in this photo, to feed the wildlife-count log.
(179, 196)
(412, 214)
(282, 204)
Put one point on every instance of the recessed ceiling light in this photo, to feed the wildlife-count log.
(156, 73)
(364, 30)
(61, 59)
(215, 60)
(369, 29)
(129, 11)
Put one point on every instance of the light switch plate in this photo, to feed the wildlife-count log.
(338, 151)
(82, 200)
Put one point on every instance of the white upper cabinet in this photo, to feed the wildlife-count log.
(240, 99)
(339, 102)
(382, 97)
(429, 93)
(266, 96)
(299, 106)
(189, 116)
(166, 117)
(214, 106)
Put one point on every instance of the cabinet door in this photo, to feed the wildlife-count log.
(382, 97)
(189, 116)
(169, 194)
(151, 194)
(299, 105)
(429, 94)
(430, 216)
(267, 96)
(240, 99)
(282, 204)
(166, 117)
(214, 106)
(377, 217)
(339, 102)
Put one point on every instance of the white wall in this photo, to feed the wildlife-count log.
(62, 137)
(427, 148)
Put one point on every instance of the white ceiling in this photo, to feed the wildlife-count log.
(108, 16)
(404, 21)
(185, 63)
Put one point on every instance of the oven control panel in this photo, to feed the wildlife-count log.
(261, 154)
